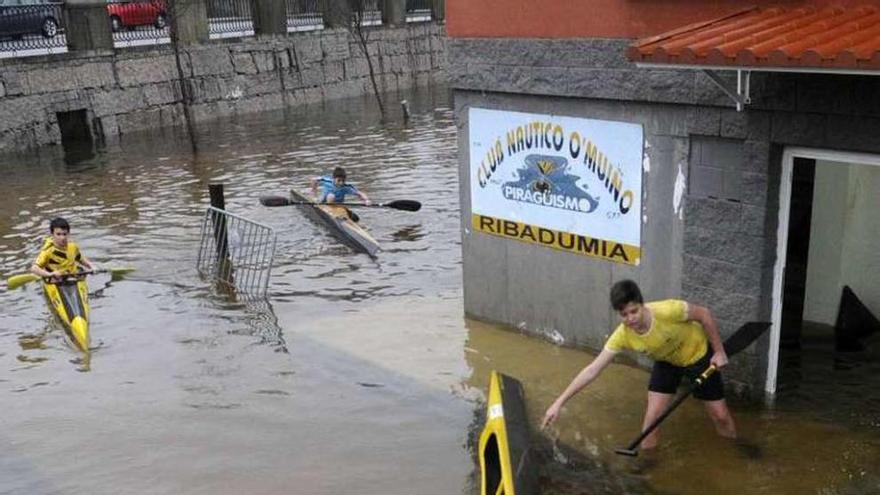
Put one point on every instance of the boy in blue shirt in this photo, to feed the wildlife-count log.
(334, 189)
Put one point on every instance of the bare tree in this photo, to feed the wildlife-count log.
(356, 14)
(174, 10)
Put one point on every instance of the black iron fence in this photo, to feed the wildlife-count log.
(27, 28)
(370, 12)
(305, 15)
(230, 18)
(138, 22)
(418, 10)
(36, 27)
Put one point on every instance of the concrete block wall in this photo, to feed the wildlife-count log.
(561, 296)
(139, 89)
(719, 249)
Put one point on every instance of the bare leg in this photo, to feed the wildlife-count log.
(720, 415)
(657, 403)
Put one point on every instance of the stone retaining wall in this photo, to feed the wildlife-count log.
(139, 89)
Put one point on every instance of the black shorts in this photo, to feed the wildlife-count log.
(665, 378)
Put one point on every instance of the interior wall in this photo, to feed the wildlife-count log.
(826, 246)
(843, 250)
(860, 261)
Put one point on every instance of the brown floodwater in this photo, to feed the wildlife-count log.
(356, 375)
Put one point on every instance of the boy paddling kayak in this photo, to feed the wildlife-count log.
(64, 285)
(334, 189)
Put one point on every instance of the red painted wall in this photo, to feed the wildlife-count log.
(593, 18)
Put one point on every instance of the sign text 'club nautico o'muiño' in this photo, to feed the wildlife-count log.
(566, 183)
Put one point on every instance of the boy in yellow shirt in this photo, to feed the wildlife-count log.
(59, 255)
(683, 340)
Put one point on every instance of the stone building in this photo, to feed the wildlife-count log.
(715, 152)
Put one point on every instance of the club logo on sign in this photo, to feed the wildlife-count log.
(547, 180)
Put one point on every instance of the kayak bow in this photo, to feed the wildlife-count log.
(69, 301)
(506, 462)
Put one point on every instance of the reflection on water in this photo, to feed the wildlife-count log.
(848, 382)
(261, 320)
(409, 233)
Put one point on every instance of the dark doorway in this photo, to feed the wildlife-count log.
(74, 127)
(76, 136)
(797, 251)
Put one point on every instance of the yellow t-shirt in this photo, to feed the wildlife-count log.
(53, 258)
(671, 338)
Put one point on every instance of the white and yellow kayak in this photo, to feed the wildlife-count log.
(506, 461)
(69, 301)
(338, 221)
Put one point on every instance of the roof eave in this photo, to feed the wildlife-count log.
(801, 70)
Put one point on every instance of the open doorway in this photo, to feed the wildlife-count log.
(76, 136)
(825, 291)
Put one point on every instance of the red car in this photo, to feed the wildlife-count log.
(126, 14)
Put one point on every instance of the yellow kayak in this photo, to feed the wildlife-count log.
(506, 461)
(69, 300)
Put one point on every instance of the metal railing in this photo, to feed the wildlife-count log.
(236, 252)
(230, 18)
(31, 29)
(371, 13)
(28, 28)
(138, 22)
(305, 15)
(418, 10)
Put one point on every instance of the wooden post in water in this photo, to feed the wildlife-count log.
(221, 239)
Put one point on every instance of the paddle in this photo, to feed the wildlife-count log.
(17, 281)
(400, 204)
(740, 339)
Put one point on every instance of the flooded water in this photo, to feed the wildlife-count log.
(357, 375)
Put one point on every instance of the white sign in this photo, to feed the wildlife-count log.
(566, 183)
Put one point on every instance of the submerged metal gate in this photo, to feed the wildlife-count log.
(236, 252)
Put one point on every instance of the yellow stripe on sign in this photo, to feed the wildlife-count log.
(563, 241)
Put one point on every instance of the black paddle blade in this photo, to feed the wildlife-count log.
(274, 201)
(744, 337)
(404, 204)
(627, 452)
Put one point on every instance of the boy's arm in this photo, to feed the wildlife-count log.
(41, 272)
(707, 321)
(584, 378)
(86, 263)
(38, 270)
(363, 196)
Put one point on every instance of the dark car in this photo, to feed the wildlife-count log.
(125, 14)
(21, 17)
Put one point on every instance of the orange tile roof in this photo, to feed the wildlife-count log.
(835, 38)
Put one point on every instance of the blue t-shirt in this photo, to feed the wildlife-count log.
(329, 187)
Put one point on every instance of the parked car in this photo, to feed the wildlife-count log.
(125, 14)
(21, 17)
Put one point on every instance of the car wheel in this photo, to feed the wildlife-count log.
(49, 28)
(115, 23)
(160, 22)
